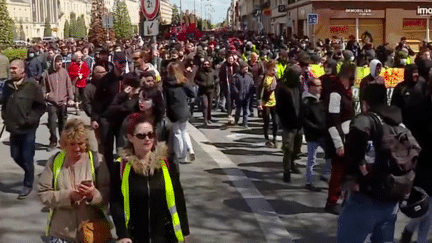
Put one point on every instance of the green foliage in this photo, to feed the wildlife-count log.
(73, 29)
(175, 16)
(13, 53)
(122, 23)
(98, 34)
(47, 28)
(7, 25)
(66, 29)
(81, 28)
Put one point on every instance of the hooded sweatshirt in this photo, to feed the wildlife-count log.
(56, 85)
(313, 117)
(413, 98)
(372, 77)
(288, 98)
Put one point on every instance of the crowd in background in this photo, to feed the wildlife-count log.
(138, 93)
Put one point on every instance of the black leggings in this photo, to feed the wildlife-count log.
(267, 111)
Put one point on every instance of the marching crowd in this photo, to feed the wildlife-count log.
(140, 96)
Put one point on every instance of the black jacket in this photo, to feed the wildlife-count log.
(120, 108)
(242, 86)
(150, 217)
(176, 95)
(413, 98)
(224, 76)
(339, 112)
(23, 106)
(288, 99)
(362, 129)
(106, 90)
(313, 113)
(206, 80)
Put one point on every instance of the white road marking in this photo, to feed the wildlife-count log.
(271, 225)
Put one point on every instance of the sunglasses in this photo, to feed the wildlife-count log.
(142, 136)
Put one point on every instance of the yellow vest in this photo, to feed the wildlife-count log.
(169, 191)
(57, 165)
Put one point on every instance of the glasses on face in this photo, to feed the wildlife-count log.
(142, 136)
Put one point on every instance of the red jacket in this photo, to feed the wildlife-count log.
(75, 69)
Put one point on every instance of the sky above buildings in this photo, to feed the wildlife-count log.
(216, 8)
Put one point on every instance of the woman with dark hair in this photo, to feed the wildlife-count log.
(177, 89)
(147, 201)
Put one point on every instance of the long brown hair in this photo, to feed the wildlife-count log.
(175, 71)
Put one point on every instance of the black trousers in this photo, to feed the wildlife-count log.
(267, 112)
(108, 134)
(57, 115)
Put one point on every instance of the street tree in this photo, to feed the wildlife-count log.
(98, 34)
(47, 28)
(66, 30)
(122, 22)
(175, 16)
(81, 28)
(7, 25)
(73, 29)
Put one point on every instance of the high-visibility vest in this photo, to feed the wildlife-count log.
(57, 165)
(169, 191)
(280, 70)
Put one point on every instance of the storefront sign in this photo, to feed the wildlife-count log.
(360, 11)
(424, 11)
(414, 23)
(338, 30)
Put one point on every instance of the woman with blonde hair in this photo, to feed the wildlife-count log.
(177, 90)
(75, 186)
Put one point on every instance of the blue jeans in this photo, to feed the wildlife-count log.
(22, 148)
(312, 151)
(423, 223)
(366, 220)
(242, 105)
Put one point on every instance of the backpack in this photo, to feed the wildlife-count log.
(397, 152)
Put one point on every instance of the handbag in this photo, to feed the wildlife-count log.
(95, 231)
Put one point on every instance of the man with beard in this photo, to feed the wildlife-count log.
(106, 90)
(206, 78)
(227, 70)
(102, 59)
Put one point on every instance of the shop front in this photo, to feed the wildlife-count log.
(386, 21)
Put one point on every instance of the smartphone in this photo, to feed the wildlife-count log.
(87, 182)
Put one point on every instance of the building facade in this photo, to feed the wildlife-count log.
(20, 11)
(386, 20)
(31, 14)
(165, 11)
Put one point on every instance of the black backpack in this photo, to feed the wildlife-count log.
(397, 151)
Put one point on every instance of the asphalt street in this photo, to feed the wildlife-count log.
(234, 191)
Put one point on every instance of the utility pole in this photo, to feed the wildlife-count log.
(194, 14)
(180, 14)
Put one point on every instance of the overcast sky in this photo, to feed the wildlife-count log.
(217, 8)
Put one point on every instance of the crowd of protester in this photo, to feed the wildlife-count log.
(140, 96)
